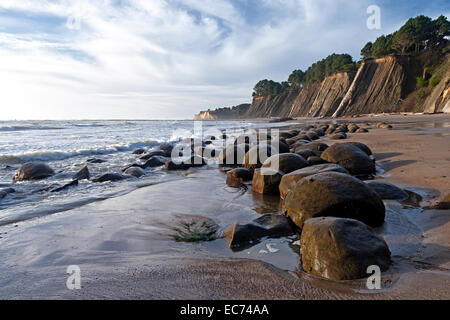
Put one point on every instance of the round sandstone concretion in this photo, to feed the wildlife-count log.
(336, 195)
(255, 157)
(290, 180)
(285, 162)
(266, 181)
(341, 249)
(350, 157)
(33, 171)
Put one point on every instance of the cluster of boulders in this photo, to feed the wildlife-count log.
(323, 197)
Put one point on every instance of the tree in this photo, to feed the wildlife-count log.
(441, 30)
(266, 88)
(366, 51)
(382, 46)
(296, 78)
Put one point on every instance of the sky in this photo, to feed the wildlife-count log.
(169, 59)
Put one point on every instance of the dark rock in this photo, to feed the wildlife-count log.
(109, 177)
(387, 191)
(362, 146)
(336, 195)
(266, 181)
(33, 171)
(137, 165)
(278, 146)
(341, 249)
(95, 160)
(339, 136)
(290, 180)
(350, 157)
(155, 161)
(82, 174)
(306, 153)
(135, 172)
(167, 148)
(285, 162)
(315, 160)
(66, 186)
(236, 177)
(443, 204)
(139, 151)
(362, 130)
(312, 135)
(313, 146)
(152, 154)
(302, 137)
(240, 237)
(320, 132)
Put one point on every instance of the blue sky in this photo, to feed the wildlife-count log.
(168, 59)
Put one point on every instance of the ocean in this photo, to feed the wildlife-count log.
(67, 145)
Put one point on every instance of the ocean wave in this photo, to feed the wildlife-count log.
(55, 155)
(27, 128)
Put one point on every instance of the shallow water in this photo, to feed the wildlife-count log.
(67, 145)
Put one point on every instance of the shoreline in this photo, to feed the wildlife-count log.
(124, 250)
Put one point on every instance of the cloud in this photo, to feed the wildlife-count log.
(162, 58)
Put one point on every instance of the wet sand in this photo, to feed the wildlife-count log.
(125, 250)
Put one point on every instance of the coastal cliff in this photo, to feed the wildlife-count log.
(233, 113)
(394, 83)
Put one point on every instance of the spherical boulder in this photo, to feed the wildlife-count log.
(334, 194)
(285, 162)
(255, 157)
(237, 176)
(33, 171)
(290, 180)
(350, 157)
(362, 146)
(341, 249)
(387, 191)
(266, 181)
(135, 172)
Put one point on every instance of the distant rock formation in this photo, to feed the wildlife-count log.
(233, 113)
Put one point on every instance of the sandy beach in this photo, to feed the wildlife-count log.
(125, 249)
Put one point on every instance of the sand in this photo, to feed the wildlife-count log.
(124, 247)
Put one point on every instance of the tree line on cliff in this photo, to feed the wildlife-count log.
(415, 36)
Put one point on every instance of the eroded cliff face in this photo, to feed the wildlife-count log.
(304, 100)
(205, 115)
(380, 85)
(439, 99)
(331, 92)
(272, 106)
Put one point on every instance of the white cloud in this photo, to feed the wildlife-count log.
(162, 58)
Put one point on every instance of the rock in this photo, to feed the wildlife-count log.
(285, 162)
(350, 157)
(387, 191)
(83, 174)
(278, 146)
(339, 136)
(167, 148)
(236, 177)
(361, 130)
(255, 157)
(232, 156)
(6, 191)
(320, 132)
(110, 177)
(152, 154)
(312, 135)
(241, 236)
(290, 142)
(313, 146)
(155, 161)
(341, 249)
(288, 181)
(139, 151)
(314, 160)
(284, 134)
(66, 186)
(330, 130)
(246, 139)
(125, 168)
(192, 162)
(362, 146)
(302, 137)
(95, 160)
(33, 171)
(334, 194)
(135, 172)
(269, 225)
(277, 225)
(306, 153)
(444, 203)
(266, 181)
